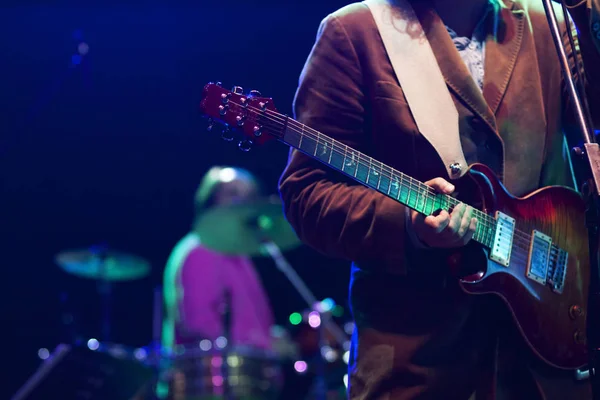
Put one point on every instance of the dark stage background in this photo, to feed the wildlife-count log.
(108, 147)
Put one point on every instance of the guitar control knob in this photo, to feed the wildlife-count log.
(238, 90)
(257, 130)
(254, 93)
(245, 145)
(227, 134)
(579, 337)
(575, 311)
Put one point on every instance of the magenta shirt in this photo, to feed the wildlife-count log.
(201, 281)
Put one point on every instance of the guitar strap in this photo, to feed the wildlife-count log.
(421, 80)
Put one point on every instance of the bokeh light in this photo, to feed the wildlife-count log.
(300, 366)
(93, 344)
(295, 318)
(43, 353)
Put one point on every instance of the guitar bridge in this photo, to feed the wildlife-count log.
(503, 239)
(558, 275)
(539, 257)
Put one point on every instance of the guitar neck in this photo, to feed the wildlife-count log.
(378, 176)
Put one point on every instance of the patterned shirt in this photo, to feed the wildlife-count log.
(472, 50)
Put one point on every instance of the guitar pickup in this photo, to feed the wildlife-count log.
(503, 239)
(539, 257)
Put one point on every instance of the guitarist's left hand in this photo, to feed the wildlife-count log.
(444, 230)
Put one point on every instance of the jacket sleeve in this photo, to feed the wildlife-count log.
(328, 211)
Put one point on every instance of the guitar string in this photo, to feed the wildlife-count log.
(524, 237)
(280, 121)
(427, 193)
(431, 195)
(388, 172)
(484, 219)
(522, 245)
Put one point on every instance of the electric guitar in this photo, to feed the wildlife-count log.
(530, 251)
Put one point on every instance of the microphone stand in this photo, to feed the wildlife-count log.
(226, 314)
(590, 154)
(326, 323)
(155, 355)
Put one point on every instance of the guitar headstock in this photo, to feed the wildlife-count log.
(249, 118)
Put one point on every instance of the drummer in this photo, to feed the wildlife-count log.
(198, 281)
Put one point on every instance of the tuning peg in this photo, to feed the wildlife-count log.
(254, 93)
(227, 134)
(219, 84)
(245, 145)
(237, 90)
(211, 125)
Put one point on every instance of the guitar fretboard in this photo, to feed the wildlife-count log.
(374, 174)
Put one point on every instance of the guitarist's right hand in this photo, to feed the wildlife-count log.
(444, 230)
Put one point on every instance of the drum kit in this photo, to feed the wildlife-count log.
(318, 346)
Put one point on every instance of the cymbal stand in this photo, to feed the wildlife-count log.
(155, 354)
(68, 319)
(104, 288)
(326, 323)
(589, 153)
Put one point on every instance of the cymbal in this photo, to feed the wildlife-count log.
(241, 229)
(108, 265)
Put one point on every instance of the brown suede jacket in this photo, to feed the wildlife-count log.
(417, 334)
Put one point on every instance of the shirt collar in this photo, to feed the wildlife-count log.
(479, 34)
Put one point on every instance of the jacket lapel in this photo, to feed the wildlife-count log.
(501, 50)
(453, 68)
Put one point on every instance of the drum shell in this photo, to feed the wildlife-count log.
(246, 373)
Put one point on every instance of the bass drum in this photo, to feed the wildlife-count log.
(242, 373)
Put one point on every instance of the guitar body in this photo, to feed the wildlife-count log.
(553, 324)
